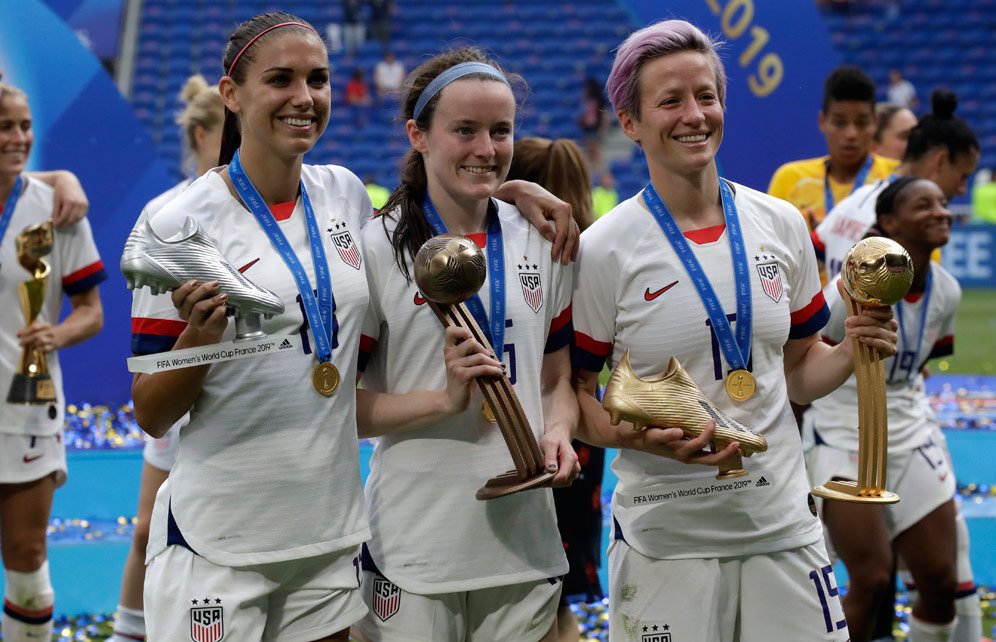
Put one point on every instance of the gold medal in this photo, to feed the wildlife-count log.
(488, 412)
(325, 379)
(740, 385)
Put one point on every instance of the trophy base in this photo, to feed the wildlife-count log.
(32, 391)
(510, 482)
(847, 491)
(731, 469)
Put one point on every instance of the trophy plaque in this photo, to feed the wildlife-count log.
(876, 272)
(32, 384)
(449, 269)
(672, 399)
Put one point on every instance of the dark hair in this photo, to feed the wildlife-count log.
(885, 205)
(559, 167)
(413, 230)
(231, 134)
(848, 83)
(941, 128)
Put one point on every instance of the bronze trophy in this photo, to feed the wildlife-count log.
(672, 399)
(449, 269)
(876, 272)
(32, 384)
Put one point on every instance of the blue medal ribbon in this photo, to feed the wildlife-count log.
(859, 180)
(496, 276)
(736, 348)
(318, 312)
(8, 208)
(915, 365)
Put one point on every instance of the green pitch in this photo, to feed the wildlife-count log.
(975, 336)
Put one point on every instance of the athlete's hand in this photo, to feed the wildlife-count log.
(550, 216)
(560, 458)
(466, 359)
(69, 201)
(40, 335)
(673, 444)
(874, 326)
(200, 305)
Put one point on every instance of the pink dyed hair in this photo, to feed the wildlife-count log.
(659, 39)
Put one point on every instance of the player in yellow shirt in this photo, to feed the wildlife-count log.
(848, 122)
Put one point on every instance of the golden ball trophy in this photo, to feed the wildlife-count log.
(32, 384)
(449, 269)
(876, 272)
(672, 399)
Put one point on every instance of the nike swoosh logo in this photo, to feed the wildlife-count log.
(650, 296)
(419, 300)
(248, 265)
(28, 460)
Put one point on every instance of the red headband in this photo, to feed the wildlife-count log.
(260, 35)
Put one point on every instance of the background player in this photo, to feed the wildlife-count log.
(749, 554)
(847, 121)
(32, 453)
(559, 166)
(892, 132)
(442, 565)
(200, 123)
(913, 212)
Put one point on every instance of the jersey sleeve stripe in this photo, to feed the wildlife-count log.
(83, 279)
(818, 245)
(810, 319)
(589, 354)
(142, 344)
(943, 347)
(162, 327)
(561, 332)
(367, 345)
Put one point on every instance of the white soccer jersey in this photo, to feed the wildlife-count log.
(633, 293)
(430, 535)
(267, 469)
(835, 416)
(75, 268)
(845, 225)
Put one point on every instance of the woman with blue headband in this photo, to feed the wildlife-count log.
(440, 564)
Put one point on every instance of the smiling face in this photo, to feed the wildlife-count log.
(467, 147)
(16, 135)
(849, 127)
(680, 126)
(921, 220)
(283, 105)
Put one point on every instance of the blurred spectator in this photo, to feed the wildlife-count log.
(388, 76)
(604, 196)
(895, 123)
(352, 26)
(984, 197)
(378, 193)
(593, 121)
(901, 91)
(380, 22)
(357, 91)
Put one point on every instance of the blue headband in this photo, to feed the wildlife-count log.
(455, 72)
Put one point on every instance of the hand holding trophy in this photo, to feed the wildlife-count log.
(449, 269)
(32, 384)
(876, 272)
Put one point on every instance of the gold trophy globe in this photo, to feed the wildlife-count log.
(449, 269)
(876, 272)
(32, 383)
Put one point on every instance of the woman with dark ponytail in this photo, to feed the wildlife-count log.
(440, 564)
(255, 533)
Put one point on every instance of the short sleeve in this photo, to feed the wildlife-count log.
(82, 268)
(594, 304)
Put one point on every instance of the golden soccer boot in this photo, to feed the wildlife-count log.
(672, 399)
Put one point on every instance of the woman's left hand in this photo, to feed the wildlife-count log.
(551, 216)
(874, 326)
(39, 335)
(69, 201)
(559, 456)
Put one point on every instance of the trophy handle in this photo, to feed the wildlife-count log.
(529, 470)
(873, 430)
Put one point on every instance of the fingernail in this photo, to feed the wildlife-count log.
(222, 297)
(551, 467)
(192, 283)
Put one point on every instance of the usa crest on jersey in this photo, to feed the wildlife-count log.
(386, 598)
(348, 251)
(532, 287)
(207, 623)
(771, 279)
